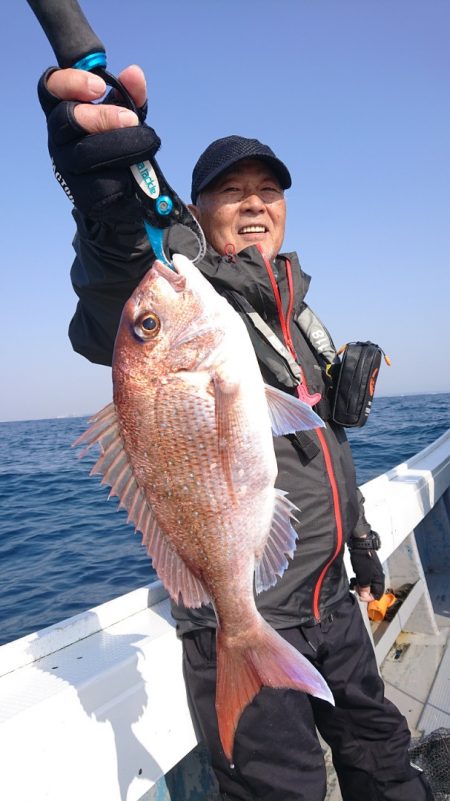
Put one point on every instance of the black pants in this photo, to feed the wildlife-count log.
(277, 755)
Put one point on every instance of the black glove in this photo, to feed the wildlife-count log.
(366, 564)
(93, 169)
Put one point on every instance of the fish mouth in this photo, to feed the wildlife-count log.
(170, 274)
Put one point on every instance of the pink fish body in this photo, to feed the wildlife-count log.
(187, 447)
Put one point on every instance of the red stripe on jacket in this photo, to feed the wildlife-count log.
(285, 328)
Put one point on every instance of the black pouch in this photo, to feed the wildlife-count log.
(354, 384)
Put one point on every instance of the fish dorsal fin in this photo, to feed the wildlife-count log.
(280, 544)
(115, 467)
(288, 414)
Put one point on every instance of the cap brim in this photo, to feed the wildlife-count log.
(277, 166)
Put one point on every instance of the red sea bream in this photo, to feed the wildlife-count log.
(187, 447)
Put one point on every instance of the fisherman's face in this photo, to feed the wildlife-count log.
(244, 206)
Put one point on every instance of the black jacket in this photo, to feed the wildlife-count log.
(316, 470)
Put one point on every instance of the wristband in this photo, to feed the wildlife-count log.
(370, 543)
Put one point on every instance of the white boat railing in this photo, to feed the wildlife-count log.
(395, 504)
(94, 707)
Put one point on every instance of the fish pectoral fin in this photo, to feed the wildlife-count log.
(280, 544)
(117, 471)
(227, 421)
(288, 414)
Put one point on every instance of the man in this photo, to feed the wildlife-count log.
(238, 197)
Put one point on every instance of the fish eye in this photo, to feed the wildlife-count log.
(148, 325)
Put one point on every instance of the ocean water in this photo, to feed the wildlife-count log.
(64, 548)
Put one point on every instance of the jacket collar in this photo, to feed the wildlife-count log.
(247, 273)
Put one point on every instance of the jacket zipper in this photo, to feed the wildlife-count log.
(285, 323)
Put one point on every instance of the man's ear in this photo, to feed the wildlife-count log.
(194, 211)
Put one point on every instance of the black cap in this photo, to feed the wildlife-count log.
(223, 153)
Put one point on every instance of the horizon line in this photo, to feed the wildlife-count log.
(76, 416)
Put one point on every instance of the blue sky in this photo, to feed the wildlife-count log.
(352, 95)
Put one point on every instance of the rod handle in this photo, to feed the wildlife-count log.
(73, 41)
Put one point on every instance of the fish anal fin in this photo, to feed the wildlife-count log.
(288, 414)
(269, 661)
(117, 471)
(280, 544)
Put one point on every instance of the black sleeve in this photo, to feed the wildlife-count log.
(111, 259)
(362, 527)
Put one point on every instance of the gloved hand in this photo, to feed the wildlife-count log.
(92, 161)
(369, 575)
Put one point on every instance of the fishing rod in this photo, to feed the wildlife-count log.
(75, 45)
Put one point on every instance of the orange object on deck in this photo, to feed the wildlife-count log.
(377, 609)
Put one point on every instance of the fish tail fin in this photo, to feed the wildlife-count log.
(267, 661)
